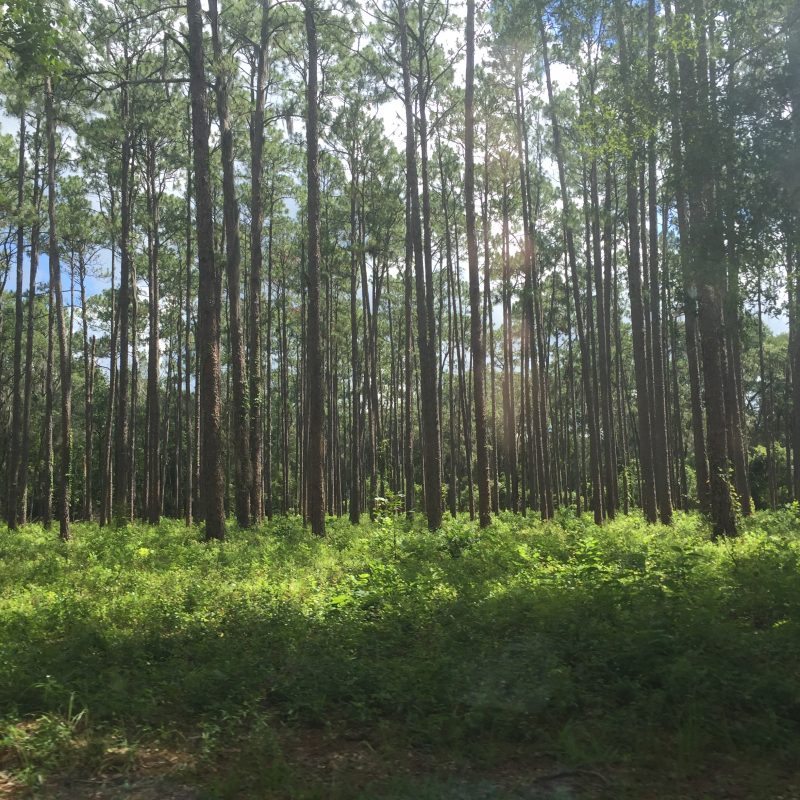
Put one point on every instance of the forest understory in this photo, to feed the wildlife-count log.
(526, 660)
(400, 399)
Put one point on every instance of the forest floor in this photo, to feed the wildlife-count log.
(526, 661)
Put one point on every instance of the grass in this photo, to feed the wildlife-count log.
(528, 660)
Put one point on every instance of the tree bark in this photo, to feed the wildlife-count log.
(509, 422)
(408, 361)
(122, 441)
(476, 332)
(153, 465)
(649, 503)
(65, 370)
(603, 281)
(12, 503)
(88, 380)
(212, 486)
(256, 264)
(47, 444)
(34, 267)
(706, 248)
(315, 483)
(241, 435)
(190, 459)
(354, 503)
(425, 324)
(106, 509)
(658, 396)
(792, 250)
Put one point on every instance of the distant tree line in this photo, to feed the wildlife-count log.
(309, 258)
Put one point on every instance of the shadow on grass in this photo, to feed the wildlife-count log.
(583, 647)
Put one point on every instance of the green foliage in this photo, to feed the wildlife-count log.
(29, 28)
(594, 644)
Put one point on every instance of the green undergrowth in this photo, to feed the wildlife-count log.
(627, 645)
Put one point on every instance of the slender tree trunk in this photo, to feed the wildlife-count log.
(286, 420)
(88, 379)
(425, 323)
(649, 503)
(540, 447)
(122, 443)
(452, 494)
(620, 381)
(792, 250)
(603, 284)
(489, 323)
(369, 366)
(374, 375)
(241, 439)
(690, 298)
(108, 427)
(509, 424)
(793, 279)
(733, 377)
(132, 416)
(711, 323)
(65, 368)
(89, 511)
(577, 462)
(34, 267)
(706, 246)
(47, 444)
(476, 332)
(315, 483)
(408, 374)
(590, 245)
(354, 503)
(179, 400)
(256, 263)
(153, 465)
(764, 401)
(265, 504)
(658, 396)
(212, 482)
(190, 460)
(454, 272)
(13, 496)
(670, 356)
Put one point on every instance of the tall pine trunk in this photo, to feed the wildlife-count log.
(315, 481)
(240, 440)
(65, 367)
(658, 395)
(706, 249)
(122, 441)
(425, 324)
(34, 267)
(13, 496)
(644, 427)
(153, 465)
(212, 482)
(256, 264)
(476, 332)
